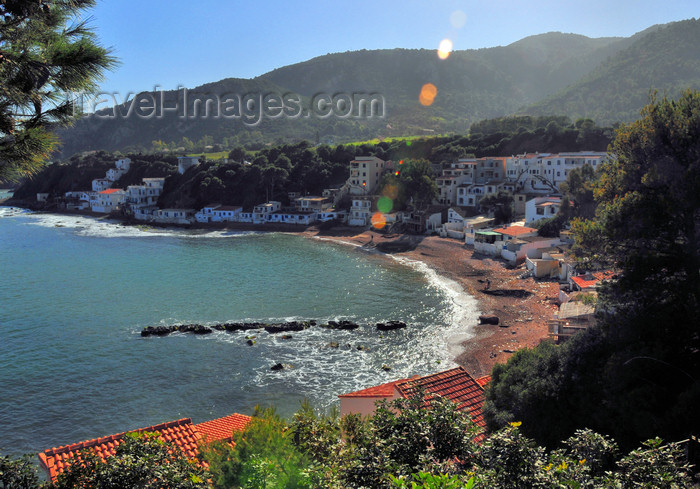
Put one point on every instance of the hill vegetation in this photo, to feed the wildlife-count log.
(607, 80)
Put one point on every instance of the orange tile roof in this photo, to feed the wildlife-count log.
(584, 283)
(382, 390)
(182, 433)
(455, 384)
(515, 230)
(482, 381)
(111, 190)
(222, 428)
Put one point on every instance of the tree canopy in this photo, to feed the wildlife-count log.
(46, 57)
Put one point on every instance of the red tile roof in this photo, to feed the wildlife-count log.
(515, 230)
(482, 381)
(382, 390)
(595, 277)
(111, 191)
(455, 384)
(182, 433)
(222, 428)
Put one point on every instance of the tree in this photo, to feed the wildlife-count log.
(500, 204)
(419, 185)
(18, 473)
(141, 461)
(264, 456)
(634, 375)
(44, 60)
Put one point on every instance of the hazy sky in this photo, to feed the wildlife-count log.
(188, 43)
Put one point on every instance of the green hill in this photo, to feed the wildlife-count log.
(666, 59)
(606, 79)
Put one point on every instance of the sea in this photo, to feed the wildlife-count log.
(76, 291)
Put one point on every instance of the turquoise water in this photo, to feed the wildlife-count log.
(75, 293)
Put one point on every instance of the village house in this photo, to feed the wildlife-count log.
(541, 208)
(108, 200)
(184, 163)
(304, 218)
(542, 173)
(262, 212)
(184, 434)
(206, 213)
(312, 203)
(173, 216)
(360, 211)
(225, 213)
(515, 250)
(574, 315)
(454, 227)
(549, 263)
(474, 224)
(427, 221)
(365, 173)
(455, 384)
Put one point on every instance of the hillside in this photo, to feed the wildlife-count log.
(666, 59)
(606, 79)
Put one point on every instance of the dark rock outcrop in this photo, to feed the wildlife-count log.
(488, 320)
(391, 325)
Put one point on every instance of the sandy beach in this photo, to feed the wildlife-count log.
(522, 320)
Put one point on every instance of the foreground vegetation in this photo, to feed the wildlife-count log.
(403, 445)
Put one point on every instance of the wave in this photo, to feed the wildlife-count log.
(98, 227)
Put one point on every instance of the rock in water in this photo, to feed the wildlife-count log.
(391, 325)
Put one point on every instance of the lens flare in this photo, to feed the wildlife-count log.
(458, 19)
(385, 205)
(444, 49)
(427, 94)
(378, 220)
(390, 192)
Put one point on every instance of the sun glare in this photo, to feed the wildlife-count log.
(378, 220)
(444, 49)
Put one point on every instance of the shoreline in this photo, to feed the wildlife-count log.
(523, 321)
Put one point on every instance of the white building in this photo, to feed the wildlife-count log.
(544, 172)
(261, 212)
(541, 208)
(312, 203)
(186, 162)
(100, 184)
(365, 173)
(108, 200)
(292, 217)
(360, 211)
(225, 213)
(173, 216)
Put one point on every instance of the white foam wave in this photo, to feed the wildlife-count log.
(107, 228)
(464, 308)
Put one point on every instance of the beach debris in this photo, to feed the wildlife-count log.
(334, 344)
(286, 337)
(386, 367)
(361, 348)
(391, 325)
(508, 351)
(250, 342)
(488, 320)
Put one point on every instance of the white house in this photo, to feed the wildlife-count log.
(516, 250)
(312, 203)
(293, 217)
(541, 208)
(206, 213)
(186, 162)
(474, 224)
(360, 211)
(261, 212)
(100, 184)
(225, 213)
(145, 213)
(108, 200)
(331, 214)
(173, 216)
(123, 164)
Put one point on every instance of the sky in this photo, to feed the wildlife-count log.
(179, 43)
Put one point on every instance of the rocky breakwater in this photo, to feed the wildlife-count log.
(286, 327)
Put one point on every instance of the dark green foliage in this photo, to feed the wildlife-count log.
(265, 456)
(18, 473)
(635, 375)
(46, 52)
(500, 205)
(141, 461)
